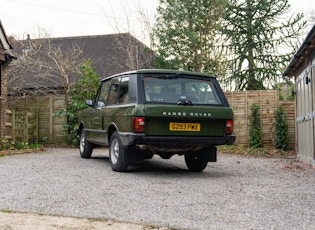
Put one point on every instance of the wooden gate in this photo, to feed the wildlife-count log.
(24, 127)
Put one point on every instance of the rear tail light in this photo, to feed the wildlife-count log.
(138, 124)
(229, 127)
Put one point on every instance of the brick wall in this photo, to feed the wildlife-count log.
(3, 102)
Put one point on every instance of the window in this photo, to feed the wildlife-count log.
(168, 89)
(119, 91)
(123, 91)
(103, 94)
(113, 93)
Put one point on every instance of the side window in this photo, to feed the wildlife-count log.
(103, 93)
(132, 88)
(113, 92)
(124, 91)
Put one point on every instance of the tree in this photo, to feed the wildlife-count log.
(255, 131)
(311, 19)
(281, 133)
(86, 86)
(186, 35)
(260, 41)
(43, 66)
(136, 55)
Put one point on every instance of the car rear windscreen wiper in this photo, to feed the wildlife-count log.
(184, 102)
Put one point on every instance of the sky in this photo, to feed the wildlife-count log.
(66, 18)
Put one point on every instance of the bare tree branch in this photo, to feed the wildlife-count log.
(43, 66)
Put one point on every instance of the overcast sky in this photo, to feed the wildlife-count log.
(63, 18)
(75, 17)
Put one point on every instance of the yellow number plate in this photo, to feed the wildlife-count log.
(195, 127)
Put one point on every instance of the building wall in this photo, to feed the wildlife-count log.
(4, 61)
(5, 129)
(2, 103)
(305, 113)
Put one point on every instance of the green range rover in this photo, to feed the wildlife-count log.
(164, 112)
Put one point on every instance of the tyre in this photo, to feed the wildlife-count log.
(86, 147)
(117, 153)
(194, 163)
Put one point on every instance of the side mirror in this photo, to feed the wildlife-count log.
(89, 102)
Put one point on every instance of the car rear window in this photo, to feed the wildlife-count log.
(174, 89)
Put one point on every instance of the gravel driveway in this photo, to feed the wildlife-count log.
(237, 192)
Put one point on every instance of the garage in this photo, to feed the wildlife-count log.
(302, 68)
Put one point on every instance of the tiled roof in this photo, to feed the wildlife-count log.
(111, 54)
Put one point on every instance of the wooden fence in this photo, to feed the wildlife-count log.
(24, 126)
(289, 107)
(33, 119)
(43, 126)
(268, 102)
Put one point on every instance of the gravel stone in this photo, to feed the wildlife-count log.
(237, 192)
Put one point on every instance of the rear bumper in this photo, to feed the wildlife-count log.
(174, 141)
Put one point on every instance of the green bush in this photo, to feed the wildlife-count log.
(5, 144)
(85, 88)
(255, 132)
(71, 125)
(281, 134)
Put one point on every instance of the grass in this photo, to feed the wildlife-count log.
(247, 151)
(6, 211)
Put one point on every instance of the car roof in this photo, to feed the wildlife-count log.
(159, 71)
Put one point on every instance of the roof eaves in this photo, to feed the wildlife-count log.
(300, 52)
(88, 36)
(3, 38)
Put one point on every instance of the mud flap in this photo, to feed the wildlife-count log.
(134, 155)
(208, 154)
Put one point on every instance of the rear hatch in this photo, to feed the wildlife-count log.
(180, 120)
(184, 104)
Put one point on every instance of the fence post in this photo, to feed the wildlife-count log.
(25, 133)
(36, 128)
(51, 105)
(13, 125)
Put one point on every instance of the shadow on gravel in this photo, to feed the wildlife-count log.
(100, 159)
(158, 167)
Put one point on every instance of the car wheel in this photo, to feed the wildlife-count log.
(86, 147)
(194, 163)
(117, 154)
